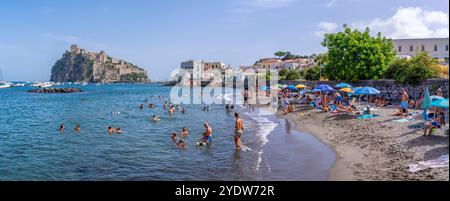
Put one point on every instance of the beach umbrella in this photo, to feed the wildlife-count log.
(325, 87)
(304, 91)
(343, 85)
(442, 103)
(367, 91)
(291, 87)
(434, 98)
(347, 90)
(264, 88)
(316, 90)
(300, 86)
(280, 86)
(426, 103)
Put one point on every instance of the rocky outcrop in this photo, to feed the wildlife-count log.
(56, 90)
(78, 65)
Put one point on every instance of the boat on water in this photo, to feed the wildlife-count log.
(18, 84)
(4, 84)
(42, 84)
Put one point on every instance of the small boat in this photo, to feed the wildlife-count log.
(4, 84)
(43, 84)
(18, 85)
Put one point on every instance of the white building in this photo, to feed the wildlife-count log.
(435, 47)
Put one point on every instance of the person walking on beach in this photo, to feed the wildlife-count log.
(239, 130)
(208, 131)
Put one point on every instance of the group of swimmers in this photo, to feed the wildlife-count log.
(77, 128)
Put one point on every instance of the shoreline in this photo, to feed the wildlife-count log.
(373, 149)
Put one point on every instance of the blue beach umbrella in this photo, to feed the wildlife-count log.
(304, 91)
(367, 91)
(316, 90)
(343, 85)
(442, 103)
(435, 98)
(264, 88)
(325, 88)
(291, 87)
(426, 104)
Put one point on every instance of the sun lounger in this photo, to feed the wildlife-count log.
(367, 116)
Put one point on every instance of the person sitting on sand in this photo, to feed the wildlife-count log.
(338, 99)
(61, 128)
(184, 132)
(110, 130)
(435, 123)
(174, 137)
(308, 100)
(77, 128)
(155, 118)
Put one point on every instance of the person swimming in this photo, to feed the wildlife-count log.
(151, 105)
(141, 106)
(203, 141)
(77, 128)
(183, 110)
(110, 130)
(118, 130)
(184, 132)
(171, 110)
(181, 144)
(155, 118)
(61, 128)
(174, 137)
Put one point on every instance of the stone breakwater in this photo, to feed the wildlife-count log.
(56, 90)
(388, 87)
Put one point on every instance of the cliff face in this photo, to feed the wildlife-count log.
(78, 65)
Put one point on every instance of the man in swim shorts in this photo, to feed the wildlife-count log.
(208, 131)
(239, 130)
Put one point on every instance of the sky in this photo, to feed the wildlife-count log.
(158, 34)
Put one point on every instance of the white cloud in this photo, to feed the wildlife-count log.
(250, 6)
(330, 3)
(326, 27)
(410, 22)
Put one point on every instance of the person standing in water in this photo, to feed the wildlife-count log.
(77, 128)
(208, 131)
(165, 104)
(239, 130)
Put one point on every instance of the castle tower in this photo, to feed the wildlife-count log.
(75, 49)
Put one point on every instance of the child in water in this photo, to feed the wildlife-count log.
(203, 141)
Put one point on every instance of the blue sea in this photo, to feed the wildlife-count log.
(32, 148)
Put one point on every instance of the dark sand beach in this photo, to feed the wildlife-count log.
(375, 149)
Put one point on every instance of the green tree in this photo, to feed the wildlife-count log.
(283, 72)
(280, 54)
(293, 75)
(355, 55)
(312, 73)
(414, 70)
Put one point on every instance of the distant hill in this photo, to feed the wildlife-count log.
(78, 65)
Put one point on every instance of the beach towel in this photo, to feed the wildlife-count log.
(403, 120)
(442, 161)
(367, 116)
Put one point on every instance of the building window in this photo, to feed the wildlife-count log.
(400, 48)
(423, 47)
(435, 48)
(411, 48)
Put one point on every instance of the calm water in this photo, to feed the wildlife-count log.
(32, 148)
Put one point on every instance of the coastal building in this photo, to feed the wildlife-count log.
(269, 63)
(199, 70)
(436, 47)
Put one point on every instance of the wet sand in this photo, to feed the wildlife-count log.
(374, 149)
